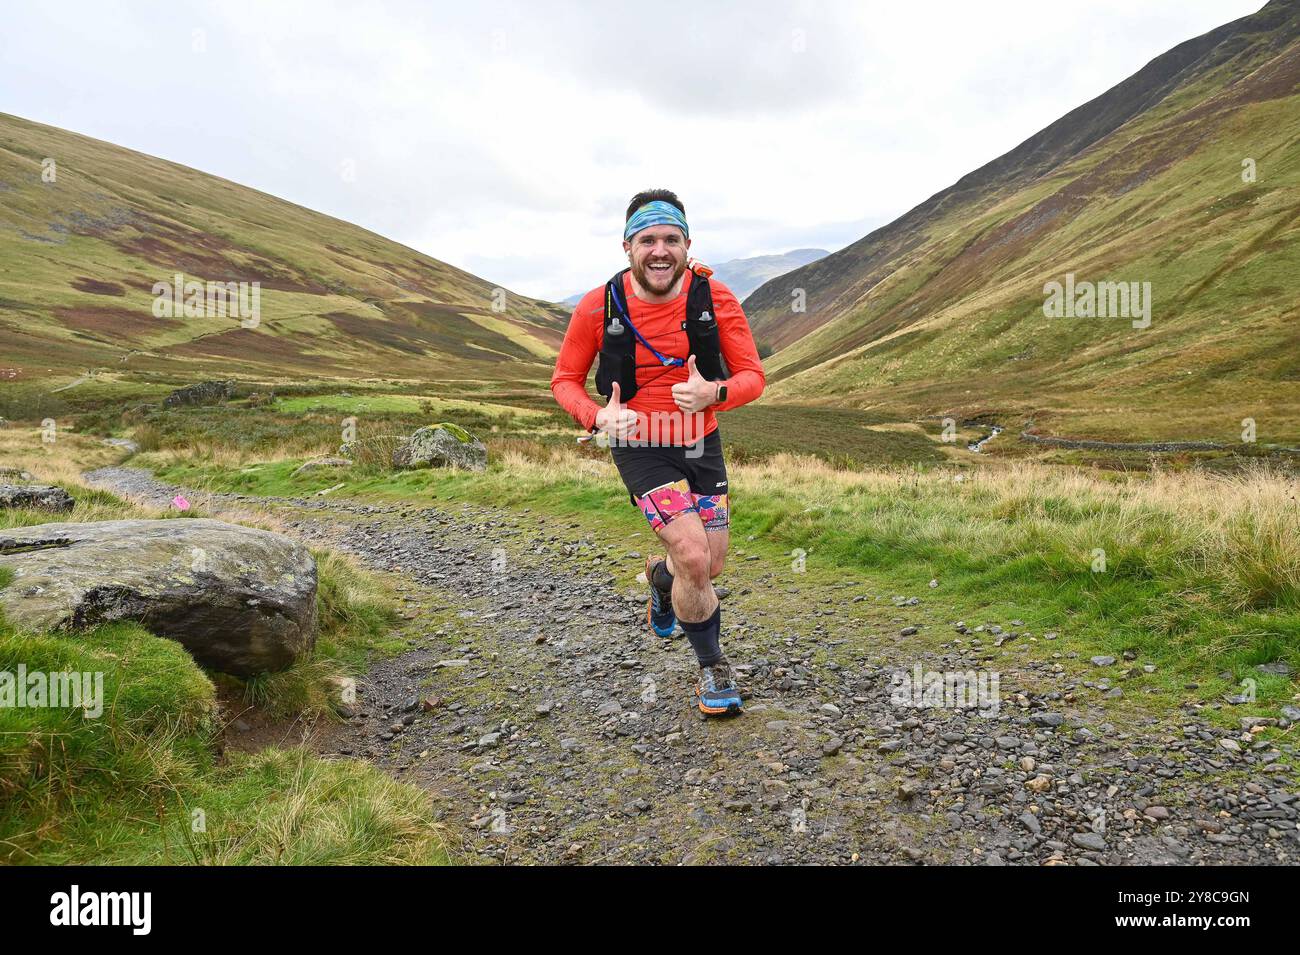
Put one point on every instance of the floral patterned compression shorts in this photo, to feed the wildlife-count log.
(667, 482)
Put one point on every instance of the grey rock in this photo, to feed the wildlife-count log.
(202, 393)
(442, 445)
(241, 600)
(46, 497)
(1089, 840)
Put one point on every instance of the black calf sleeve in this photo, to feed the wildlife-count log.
(705, 637)
(660, 576)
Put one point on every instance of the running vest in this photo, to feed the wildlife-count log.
(618, 348)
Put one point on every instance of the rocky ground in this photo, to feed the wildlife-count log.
(550, 725)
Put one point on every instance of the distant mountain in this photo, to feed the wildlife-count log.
(742, 276)
(1183, 176)
(87, 229)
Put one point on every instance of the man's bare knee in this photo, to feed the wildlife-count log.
(690, 559)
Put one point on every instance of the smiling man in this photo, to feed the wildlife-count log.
(674, 349)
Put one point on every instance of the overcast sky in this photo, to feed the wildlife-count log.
(507, 138)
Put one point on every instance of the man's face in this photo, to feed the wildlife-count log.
(658, 256)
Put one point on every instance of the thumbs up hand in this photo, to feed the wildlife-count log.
(616, 419)
(695, 393)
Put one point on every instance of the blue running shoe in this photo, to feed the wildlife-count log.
(659, 612)
(716, 693)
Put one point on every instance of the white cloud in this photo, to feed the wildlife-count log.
(506, 138)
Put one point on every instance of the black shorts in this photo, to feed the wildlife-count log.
(668, 481)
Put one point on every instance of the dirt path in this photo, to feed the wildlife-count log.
(561, 729)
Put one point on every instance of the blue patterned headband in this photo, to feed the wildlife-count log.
(656, 213)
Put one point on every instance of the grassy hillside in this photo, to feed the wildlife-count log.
(79, 256)
(941, 311)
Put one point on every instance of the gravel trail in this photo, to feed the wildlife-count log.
(550, 725)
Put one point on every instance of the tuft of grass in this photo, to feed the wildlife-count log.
(375, 453)
(287, 807)
(60, 766)
(149, 436)
(355, 611)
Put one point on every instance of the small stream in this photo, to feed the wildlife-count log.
(975, 446)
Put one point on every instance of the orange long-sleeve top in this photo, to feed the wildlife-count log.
(661, 325)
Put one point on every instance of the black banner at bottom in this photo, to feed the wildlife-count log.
(335, 905)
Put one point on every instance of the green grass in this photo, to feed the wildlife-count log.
(430, 406)
(315, 425)
(132, 786)
(840, 436)
(90, 505)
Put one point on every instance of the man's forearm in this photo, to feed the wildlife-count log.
(574, 399)
(742, 388)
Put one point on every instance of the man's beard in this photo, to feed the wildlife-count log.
(648, 280)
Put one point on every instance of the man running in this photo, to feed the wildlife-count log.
(675, 348)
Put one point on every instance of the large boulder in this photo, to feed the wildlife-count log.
(35, 495)
(202, 393)
(441, 445)
(241, 600)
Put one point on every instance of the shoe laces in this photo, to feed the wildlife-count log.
(718, 676)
